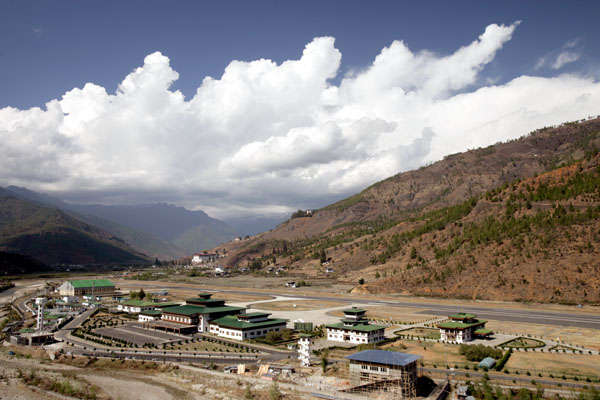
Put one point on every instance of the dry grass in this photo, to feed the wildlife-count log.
(429, 333)
(589, 338)
(433, 353)
(297, 305)
(556, 364)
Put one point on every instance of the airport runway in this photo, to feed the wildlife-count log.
(554, 318)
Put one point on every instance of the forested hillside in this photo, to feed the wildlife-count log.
(516, 220)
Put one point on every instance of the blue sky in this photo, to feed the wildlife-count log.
(123, 111)
(47, 48)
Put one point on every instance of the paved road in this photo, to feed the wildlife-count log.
(498, 313)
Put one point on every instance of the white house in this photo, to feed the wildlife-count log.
(70, 299)
(462, 327)
(149, 315)
(136, 306)
(355, 328)
(201, 258)
(246, 326)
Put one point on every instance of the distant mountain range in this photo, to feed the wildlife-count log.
(51, 236)
(161, 230)
(514, 221)
(252, 225)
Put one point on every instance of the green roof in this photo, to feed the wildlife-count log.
(358, 328)
(84, 283)
(462, 315)
(354, 310)
(483, 331)
(460, 325)
(166, 304)
(184, 310)
(190, 310)
(139, 303)
(231, 321)
(205, 301)
(355, 321)
(215, 310)
(151, 312)
(254, 315)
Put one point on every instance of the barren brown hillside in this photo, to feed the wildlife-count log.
(485, 223)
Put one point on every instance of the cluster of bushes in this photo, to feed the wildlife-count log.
(211, 340)
(503, 360)
(479, 352)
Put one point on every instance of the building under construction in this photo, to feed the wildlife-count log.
(383, 371)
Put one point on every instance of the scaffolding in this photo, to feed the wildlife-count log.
(384, 381)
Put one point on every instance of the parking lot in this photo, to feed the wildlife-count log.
(134, 333)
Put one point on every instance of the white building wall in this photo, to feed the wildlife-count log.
(338, 335)
(236, 334)
(461, 336)
(146, 318)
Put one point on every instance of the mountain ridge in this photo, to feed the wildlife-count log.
(145, 226)
(371, 235)
(53, 237)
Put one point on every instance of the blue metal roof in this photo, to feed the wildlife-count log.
(384, 357)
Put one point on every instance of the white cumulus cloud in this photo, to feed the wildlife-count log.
(273, 137)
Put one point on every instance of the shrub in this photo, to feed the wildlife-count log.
(479, 352)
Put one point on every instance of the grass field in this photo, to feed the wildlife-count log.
(428, 333)
(570, 335)
(556, 364)
(523, 343)
(432, 353)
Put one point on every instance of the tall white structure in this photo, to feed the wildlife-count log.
(40, 302)
(304, 349)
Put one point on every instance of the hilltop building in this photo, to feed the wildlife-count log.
(463, 327)
(355, 328)
(201, 258)
(82, 287)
